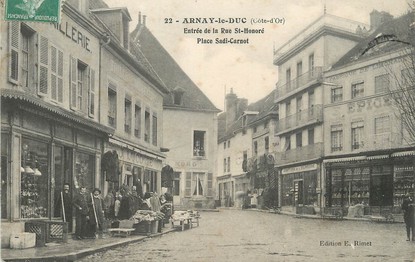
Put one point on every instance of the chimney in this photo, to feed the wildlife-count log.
(139, 18)
(377, 18)
(144, 20)
(231, 104)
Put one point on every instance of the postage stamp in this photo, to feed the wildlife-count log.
(33, 10)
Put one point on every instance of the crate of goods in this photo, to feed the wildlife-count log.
(39, 228)
(22, 240)
(143, 227)
(56, 231)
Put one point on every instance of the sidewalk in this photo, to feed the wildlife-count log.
(74, 249)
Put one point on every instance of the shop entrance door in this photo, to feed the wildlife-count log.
(381, 191)
(298, 192)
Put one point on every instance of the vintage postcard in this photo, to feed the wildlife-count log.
(207, 130)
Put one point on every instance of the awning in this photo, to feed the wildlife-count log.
(36, 101)
(345, 159)
(377, 157)
(404, 153)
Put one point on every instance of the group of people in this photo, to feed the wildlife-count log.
(91, 209)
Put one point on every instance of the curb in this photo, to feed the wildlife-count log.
(73, 256)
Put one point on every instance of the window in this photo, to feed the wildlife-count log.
(311, 64)
(288, 109)
(336, 138)
(176, 184)
(81, 83)
(155, 133)
(267, 144)
(224, 145)
(137, 121)
(82, 86)
(229, 164)
(299, 139)
(127, 115)
(255, 129)
(199, 143)
(311, 136)
(357, 135)
(224, 165)
(112, 105)
(311, 99)
(382, 83)
(266, 124)
(299, 68)
(147, 126)
(358, 90)
(198, 180)
(288, 77)
(150, 180)
(229, 143)
(299, 107)
(43, 66)
(337, 94)
(287, 143)
(382, 125)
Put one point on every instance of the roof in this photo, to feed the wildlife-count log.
(264, 107)
(170, 73)
(398, 27)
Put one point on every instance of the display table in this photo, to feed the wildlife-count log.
(355, 211)
(183, 217)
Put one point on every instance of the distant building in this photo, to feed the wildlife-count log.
(245, 144)
(368, 152)
(189, 127)
(301, 63)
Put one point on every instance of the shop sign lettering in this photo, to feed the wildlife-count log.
(74, 34)
(368, 104)
(297, 169)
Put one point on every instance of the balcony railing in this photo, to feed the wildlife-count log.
(301, 80)
(310, 115)
(299, 154)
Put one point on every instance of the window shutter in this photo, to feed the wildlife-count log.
(53, 73)
(14, 44)
(188, 185)
(60, 76)
(73, 81)
(210, 184)
(91, 95)
(43, 66)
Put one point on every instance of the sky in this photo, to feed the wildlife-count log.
(246, 68)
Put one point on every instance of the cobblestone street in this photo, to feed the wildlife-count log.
(242, 235)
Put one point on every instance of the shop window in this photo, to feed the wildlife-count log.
(403, 183)
(357, 135)
(34, 201)
(112, 105)
(337, 94)
(127, 115)
(199, 143)
(150, 180)
(137, 121)
(350, 186)
(358, 90)
(84, 171)
(336, 137)
(154, 128)
(147, 126)
(382, 83)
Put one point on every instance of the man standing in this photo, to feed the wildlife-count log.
(97, 210)
(82, 213)
(64, 203)
(408, 216)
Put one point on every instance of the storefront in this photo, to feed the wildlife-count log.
(138, 168)
(42, 149)
(225, 191)
(299, 186)
(374, 181)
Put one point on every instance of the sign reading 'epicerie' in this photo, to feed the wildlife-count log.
(33, 10)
